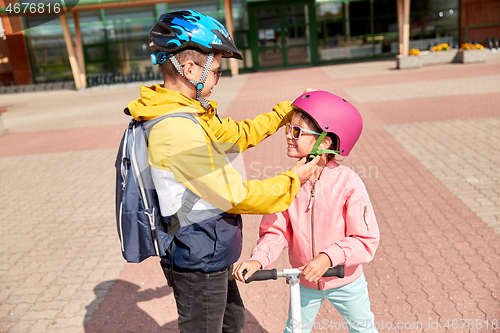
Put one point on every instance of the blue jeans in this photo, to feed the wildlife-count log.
(351, 301)
(206, 302)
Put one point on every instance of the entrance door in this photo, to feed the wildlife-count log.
(281, 34)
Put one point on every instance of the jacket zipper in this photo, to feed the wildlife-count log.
(311, 207)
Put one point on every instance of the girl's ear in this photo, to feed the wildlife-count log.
(327, 142)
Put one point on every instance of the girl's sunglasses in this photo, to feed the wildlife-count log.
(296, 131)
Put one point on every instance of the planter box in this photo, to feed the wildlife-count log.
(407, 62)
(470, 56)
(441, 57)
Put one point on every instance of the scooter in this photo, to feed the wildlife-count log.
(292, 279)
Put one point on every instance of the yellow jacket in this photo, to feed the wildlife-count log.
(184, 155)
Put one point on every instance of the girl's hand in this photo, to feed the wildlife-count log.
(315, 268)
(250, 266)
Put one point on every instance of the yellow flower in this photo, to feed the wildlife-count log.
(469, 46)
(414, 52)
(441, 47)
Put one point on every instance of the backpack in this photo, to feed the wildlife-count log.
(143, 232)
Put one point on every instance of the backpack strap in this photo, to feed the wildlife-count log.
(175, 220)
(148, 125)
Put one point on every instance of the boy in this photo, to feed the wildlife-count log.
(191, 170)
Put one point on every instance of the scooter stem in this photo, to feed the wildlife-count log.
(294, 283)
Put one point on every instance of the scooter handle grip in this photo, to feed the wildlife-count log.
(262, 275)
(337, 271)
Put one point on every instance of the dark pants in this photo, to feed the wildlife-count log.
(206, 302)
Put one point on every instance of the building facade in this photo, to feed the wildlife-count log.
(271, 34)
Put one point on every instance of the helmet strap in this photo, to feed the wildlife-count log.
(198, 85)
(315, 151)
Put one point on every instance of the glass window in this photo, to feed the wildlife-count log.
(46, 20)
(359, 18)
(330, 11)
(89, 17)
(95, 53)
(268, 18)
(383, 8)
(295, 15)
(123, 31)
(385, 17)
(52, 73)
(212, 8)
(240, 20)
(129, 23)
(130, 13)
(56, 55)
(343, 30)
(433, 22)
(241, 39)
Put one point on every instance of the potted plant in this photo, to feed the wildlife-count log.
(412, 60)
(439, 54)
(470, 53)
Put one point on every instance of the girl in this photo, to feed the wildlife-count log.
(330, 222)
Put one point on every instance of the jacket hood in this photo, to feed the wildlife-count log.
(157, 101)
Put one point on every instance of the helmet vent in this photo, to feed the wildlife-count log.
(326, 127)
(344, 100)
(306, 96)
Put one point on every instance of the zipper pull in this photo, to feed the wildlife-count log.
(217, 116)
(313, 194)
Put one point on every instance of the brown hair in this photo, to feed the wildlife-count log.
(315, 127)
(168, 70)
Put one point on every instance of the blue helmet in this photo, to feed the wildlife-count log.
(188, 29)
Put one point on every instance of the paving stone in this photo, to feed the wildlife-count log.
(40, 326)
(436, 199)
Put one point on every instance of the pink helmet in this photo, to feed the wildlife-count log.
(333, 114)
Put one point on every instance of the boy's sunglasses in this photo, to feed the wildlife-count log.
(296, 131)
(217, 74)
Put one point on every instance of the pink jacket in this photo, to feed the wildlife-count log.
(331, 215)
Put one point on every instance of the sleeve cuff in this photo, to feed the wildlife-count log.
(284, 109)
(336, 255)
(261, 257)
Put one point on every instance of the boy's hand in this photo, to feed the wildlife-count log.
(305, 170)
(309, 90)
(250, 266)
(315, 268)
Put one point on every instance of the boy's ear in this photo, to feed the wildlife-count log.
(188, 69)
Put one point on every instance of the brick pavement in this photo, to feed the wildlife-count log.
(436, 201)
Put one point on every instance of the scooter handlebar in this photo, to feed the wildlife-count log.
(262, 275)
(272, 274)
(337, 271)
